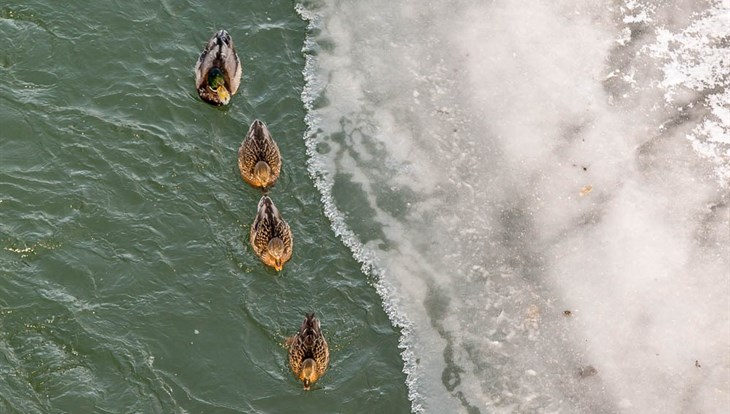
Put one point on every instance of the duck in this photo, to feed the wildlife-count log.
(271, 237)
(218, 70)
(309, 354)
(259, 160)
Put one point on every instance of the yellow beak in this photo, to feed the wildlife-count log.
(223, 94)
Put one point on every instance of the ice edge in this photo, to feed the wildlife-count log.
(323, 181)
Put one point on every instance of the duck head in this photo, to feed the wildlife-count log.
(217, 83)
(308, 375)
(262, 172)
(276, 253)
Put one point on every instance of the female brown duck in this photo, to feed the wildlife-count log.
(270, 236)
(218, 71)
(259, 160)
(309, 354)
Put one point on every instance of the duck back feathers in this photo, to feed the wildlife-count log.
(259, 146)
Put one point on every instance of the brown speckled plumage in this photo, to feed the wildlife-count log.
(259, 146)
(309, 343)
(268, 225)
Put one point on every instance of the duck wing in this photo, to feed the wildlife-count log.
(319, 348)
(282, 231)
(297, 355)
(262, 227)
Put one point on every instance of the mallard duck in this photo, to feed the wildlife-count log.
(271, 237)
(259, 159)
(309, 354)
(218, 71)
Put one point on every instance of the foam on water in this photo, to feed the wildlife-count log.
(540, 195)
(323, 181)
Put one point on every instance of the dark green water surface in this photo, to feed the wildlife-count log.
(127, 284)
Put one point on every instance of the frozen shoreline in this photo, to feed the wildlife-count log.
(519, 162)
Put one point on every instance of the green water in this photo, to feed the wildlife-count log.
(127, 284)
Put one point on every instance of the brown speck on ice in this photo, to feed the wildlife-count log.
(587, 371)
(585, 190)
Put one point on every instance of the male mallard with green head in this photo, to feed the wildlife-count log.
(309, 354)
(259, 159)
(218, 71)
(271, 237)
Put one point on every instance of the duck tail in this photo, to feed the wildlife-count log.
(222, 37)
(310, 326)
(258, 130)
(309, 317)
(267, 209)
(265, 201)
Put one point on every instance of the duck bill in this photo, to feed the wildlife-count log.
(223, 95)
